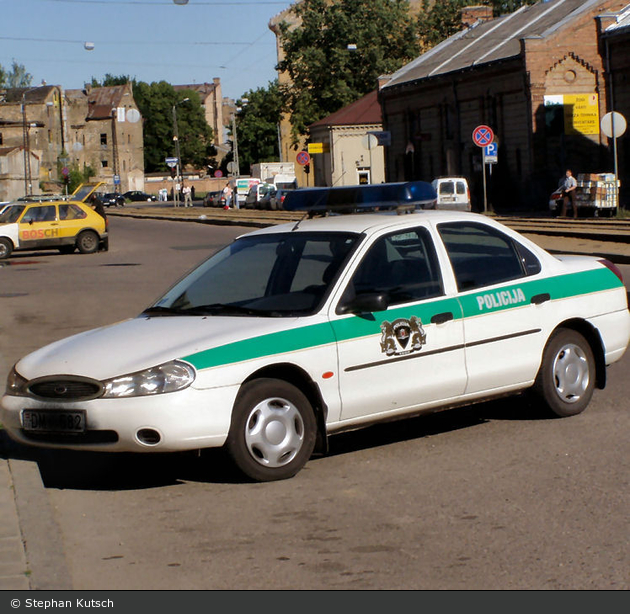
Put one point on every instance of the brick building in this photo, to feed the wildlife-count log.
(99, 127)
(536, 77)
(616, 50)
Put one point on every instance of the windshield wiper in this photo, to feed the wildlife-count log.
(226, 309)
(156, 310)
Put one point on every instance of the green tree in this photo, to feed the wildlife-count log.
(156, 101)
(257, 126)
(16, 77)
(325, 73)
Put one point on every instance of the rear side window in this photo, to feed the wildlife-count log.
(71, 212)
(484, 256)
(447, 187)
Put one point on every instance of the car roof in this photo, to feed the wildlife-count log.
(373, 222)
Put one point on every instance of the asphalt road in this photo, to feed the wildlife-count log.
(493, 496)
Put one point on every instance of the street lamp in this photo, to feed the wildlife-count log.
(177, 153)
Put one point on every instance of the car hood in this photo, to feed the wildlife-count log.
(140, 343)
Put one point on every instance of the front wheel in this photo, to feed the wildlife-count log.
(566, 379)
(273, 430)
(6, 247)
(87, 242)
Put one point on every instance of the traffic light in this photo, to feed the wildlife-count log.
(307, 168)
(173, 172)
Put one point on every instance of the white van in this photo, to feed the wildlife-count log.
(452, 193)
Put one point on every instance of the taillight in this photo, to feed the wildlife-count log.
(614, 268)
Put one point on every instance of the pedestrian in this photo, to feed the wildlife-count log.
(227, 196)
(192, 192)
(187, 196)
(97, 205)
(568, 184)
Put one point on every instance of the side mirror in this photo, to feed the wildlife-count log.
(365, 303)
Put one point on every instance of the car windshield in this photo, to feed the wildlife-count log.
(11, 214)
(270, 275)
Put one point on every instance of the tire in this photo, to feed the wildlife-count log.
(566, 379)
(6, 247)
(273, 430)
(87, 242)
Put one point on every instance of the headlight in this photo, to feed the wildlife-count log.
(169, 377)
(16, 384)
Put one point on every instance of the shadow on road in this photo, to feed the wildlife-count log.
(66, 469)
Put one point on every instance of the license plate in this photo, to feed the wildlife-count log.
(53, 421)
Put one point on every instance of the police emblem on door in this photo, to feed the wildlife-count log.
(402, 336)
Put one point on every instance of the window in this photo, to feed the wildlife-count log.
(402, 265)
(103, 138)
(45, 213)
(71, 212)
(483, 256)
(0, 138)
(104, 163)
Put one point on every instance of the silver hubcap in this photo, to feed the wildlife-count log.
(274, 432)
(571, 374)
(4, 250)
(88, 241)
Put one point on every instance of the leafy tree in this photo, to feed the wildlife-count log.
(16, 77)
(109, 80)
(257, 126)
(325, 74)
(502, 7)
(156, 101)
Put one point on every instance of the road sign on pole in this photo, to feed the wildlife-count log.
(303, 158)
(171, 162)
(491, 153)
(482, 136)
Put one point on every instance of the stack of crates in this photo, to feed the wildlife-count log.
(597, 191)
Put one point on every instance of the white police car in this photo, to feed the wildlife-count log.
(299, 331)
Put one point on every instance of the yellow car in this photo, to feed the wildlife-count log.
(64, 225)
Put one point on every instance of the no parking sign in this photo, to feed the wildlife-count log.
(482, 136)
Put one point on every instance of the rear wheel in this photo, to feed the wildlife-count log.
(566, 379)
(6, 247)
(273, 430)
(87, 242)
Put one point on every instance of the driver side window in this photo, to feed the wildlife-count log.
(403, 266)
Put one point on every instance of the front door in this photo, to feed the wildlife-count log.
(411, 354)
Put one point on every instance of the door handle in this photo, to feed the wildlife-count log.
(539, 299)
(440, 318)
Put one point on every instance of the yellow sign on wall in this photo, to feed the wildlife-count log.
(581, 114)
(318, 148)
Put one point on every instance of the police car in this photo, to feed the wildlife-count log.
(65, 225)
(296, 332)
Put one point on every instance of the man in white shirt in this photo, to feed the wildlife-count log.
(568, 185)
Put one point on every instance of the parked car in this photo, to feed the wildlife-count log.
(266, 199)
(452, 193)
(214, 199)
(62, 225)
(255, 193)
(137, 196)
(276, 200)
(112, 199)
(335, 323)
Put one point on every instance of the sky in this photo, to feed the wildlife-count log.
(149, 40)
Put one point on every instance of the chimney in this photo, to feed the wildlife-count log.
(473, 14)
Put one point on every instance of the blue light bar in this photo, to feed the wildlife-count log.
(347, 199)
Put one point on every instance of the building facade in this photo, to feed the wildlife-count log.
(100, 128)
(350, 156)
(536, 77)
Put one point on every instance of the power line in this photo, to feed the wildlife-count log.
(118, 43)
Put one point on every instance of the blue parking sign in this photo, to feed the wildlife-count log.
(490, 153)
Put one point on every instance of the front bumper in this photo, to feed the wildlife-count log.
(186, 420)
